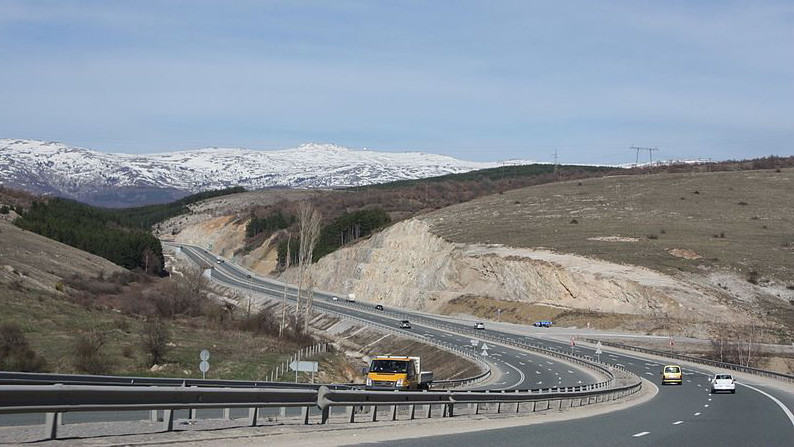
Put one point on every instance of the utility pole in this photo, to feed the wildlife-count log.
(556, 166)
(650, 150)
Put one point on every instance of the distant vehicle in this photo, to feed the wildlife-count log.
(218, 260)
(397, 373)
(480, 326)
(672, 374)
(543, 323)
(351, 298)
(379, 307)
(405, 324)
(334, 298)
(723, 382)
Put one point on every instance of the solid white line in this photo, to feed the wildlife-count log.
(642, 433)
(678, 422)
(774, 399)
(520, 373)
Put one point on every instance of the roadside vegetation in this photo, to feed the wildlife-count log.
(134, 324)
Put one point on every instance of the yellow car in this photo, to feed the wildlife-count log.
(671, 374)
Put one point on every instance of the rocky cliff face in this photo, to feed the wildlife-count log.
(408, 266)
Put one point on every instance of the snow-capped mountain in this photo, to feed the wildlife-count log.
(126, 179)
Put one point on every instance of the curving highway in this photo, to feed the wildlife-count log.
(759, 414)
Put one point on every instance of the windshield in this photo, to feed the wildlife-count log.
(389, 366)
(672, 369)
(723, 377)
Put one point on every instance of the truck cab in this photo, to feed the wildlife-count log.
(397, 373)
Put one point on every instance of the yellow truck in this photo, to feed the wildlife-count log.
(397, 373)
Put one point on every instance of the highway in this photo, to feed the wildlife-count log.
(758, 414)
(517, 369)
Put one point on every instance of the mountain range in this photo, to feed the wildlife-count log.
(121, 180)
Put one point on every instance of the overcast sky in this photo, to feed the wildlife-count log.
(478, 80)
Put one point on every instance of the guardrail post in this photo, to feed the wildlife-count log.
(192, 414)
(477, 408)
(374, 415)
(253, 415)
(394, 412)
(154, 416)
(168, 420)
(351, 414)
(429, 411)
(305, 415)
(227, 413)
(51, 426)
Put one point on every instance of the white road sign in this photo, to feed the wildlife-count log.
(303, 366)
(205, 355)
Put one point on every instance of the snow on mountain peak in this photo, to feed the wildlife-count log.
(83, 174)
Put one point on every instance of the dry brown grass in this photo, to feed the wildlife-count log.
(740, 221)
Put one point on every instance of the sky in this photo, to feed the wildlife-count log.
(477, 80)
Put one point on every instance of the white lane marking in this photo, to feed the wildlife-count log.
(678, 422)
(550, 363)
(537, 372)
(640, 434)
(621, 365)
(774, 399)
(706, 406)
(709, 399)
(697, 414)
(540, 383)
(570, 372)
(698, 384)
(520, 373)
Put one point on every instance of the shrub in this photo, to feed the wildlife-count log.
(5, 209)
(653, 236)
(753, 277)
(154, 341)
(16, 354)
(574, 221)
(88, 355)
(743, 203)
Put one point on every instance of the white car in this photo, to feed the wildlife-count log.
(723, 382)
(480, 326)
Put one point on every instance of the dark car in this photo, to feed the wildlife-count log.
(405, 324)
(379, 307)
(543, 323)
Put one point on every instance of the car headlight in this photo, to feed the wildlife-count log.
(399, 383)
(369, 381)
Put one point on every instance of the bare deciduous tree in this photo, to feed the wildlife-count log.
(309, 228)
(284, 299)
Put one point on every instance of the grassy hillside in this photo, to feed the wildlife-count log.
(742, 221)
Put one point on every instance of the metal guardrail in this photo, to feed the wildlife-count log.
(698, 360)
(54, 399)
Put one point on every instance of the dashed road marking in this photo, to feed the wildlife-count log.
(697, 414)
(640, 434)
(706, 406)
(678, 422)
(650, 373)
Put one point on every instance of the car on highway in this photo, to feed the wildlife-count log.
(543, 323)
(723, 382)
(405, 324)
(334, 298)
(480, 326)
(672, 374)
(379, 307)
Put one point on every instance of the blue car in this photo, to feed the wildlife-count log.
(543, 323)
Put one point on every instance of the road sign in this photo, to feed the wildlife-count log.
(484, 346)
(303, 366)
(474, 342)
(573, 341)
(205, 355)
(484, 353)
(204, 366)
(598, 348)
